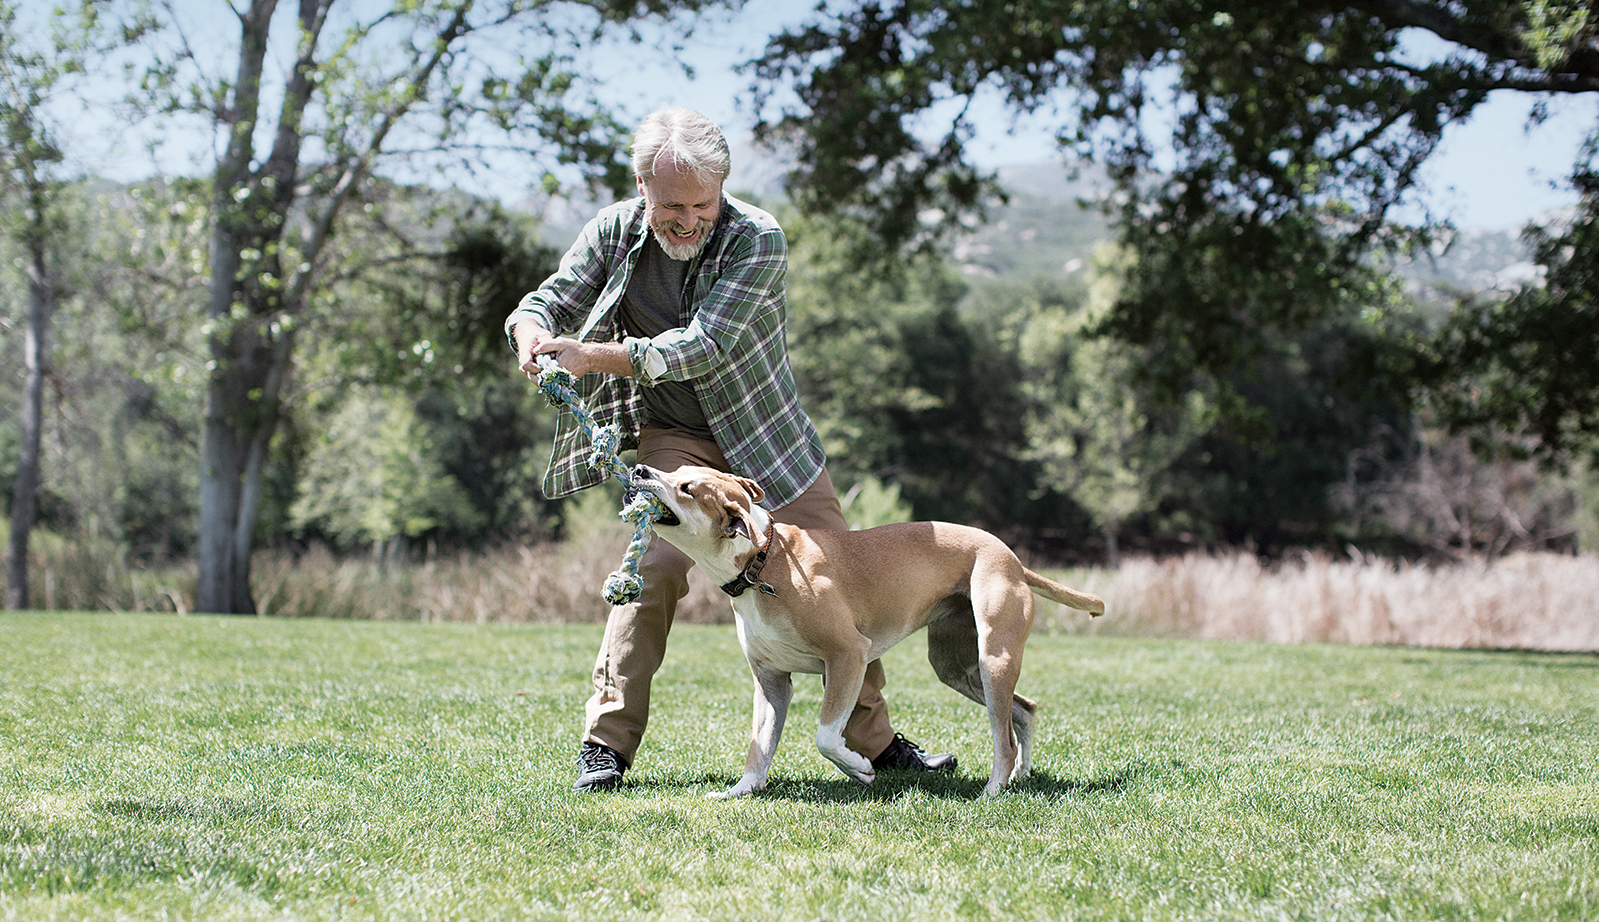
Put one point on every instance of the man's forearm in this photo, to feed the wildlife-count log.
(580, 358)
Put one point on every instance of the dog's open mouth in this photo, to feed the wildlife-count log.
(668, 518)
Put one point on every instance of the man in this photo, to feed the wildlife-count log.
(675, 310)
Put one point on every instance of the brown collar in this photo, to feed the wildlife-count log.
(751, 577)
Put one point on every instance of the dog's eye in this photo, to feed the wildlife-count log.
(685, 488)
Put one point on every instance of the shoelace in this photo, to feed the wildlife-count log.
(593, 759)
(897, 751)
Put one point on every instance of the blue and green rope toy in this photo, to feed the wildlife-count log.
(641, 511)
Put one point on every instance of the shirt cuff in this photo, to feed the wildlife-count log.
(649, 363)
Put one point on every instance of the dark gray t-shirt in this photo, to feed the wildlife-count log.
(653, 304)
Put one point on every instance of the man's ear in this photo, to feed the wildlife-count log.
(737, 524)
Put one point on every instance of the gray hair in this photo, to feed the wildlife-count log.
(684, 136)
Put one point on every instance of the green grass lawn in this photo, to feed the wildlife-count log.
(204, 768)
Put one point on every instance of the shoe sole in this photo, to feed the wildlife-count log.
(924, 769)
(605, 782)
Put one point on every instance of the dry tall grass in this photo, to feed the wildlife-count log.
(546, 583)
(1525, 601)
(1529, 601)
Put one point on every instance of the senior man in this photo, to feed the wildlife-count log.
(674, 313)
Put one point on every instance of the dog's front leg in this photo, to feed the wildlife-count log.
(773, 690)
(841, 689)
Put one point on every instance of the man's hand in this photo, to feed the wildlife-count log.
(579, 358)
(529, 338)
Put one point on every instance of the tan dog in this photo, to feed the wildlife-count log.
(830, 602)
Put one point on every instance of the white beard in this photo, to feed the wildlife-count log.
(679, 250)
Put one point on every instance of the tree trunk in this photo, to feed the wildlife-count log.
(247, 366)
(242, 410)
(36, 360)
(1113, 551)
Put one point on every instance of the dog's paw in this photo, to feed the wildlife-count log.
(852, 764)
(865, 777)
(742, 789)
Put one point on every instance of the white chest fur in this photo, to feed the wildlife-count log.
(773, 644)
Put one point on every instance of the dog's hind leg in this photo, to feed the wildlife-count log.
(952, 651)
(952, 647)
(1003, 611)
(1023, 720)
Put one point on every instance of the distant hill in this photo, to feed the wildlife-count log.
(1474, 261)
(1046, 230)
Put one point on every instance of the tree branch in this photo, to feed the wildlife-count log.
(1501, 45)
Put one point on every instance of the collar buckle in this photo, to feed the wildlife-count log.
(751, 577)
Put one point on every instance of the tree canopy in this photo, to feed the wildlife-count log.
(1258, 154)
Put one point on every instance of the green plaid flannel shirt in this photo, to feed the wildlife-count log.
(731, 345)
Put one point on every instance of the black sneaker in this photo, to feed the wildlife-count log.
(907, 756)
(599, 768)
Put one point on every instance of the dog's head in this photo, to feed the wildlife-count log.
(704, 507)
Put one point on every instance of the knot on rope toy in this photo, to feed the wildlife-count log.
(605, 440)
(558, 385)
(624, 585)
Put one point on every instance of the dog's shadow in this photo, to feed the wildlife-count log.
(892, 785)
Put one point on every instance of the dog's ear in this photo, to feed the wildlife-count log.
(752, 488)
(737, 524)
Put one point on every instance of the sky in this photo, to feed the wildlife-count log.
(1490, 173)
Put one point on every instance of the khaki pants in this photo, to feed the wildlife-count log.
(635, 634)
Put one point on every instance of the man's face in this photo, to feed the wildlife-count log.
(682, 209)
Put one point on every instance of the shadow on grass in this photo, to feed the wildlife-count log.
(890, 785)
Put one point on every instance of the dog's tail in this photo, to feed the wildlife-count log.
(1065, 595)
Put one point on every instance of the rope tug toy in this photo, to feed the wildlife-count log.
(624, 584)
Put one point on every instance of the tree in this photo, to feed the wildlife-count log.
(373, 477)
(421, 311)
(903, 387)
(406, 87)
(29, 178)
(1526, 363)
(1295, 130)
(1095, 437)
(1446, 499)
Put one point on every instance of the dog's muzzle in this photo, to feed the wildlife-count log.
(632, 491)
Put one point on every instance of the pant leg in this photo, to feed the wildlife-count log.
(868, 731)
(635, 633)
(630, 654)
